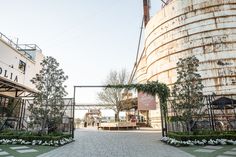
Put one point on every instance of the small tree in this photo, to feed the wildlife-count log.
(187, 91)
(113, 95)
(48, 102)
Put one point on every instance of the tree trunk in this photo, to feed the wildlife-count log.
(117, 119)
(189, 129)
(44, 123)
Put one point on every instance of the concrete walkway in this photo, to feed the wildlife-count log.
(90, 142)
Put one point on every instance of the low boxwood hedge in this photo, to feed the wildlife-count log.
(211, 135)
(29, 137)
(43, 138)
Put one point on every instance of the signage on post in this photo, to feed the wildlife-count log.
(146, 101)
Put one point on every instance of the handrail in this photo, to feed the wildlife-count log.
(16, 46)
(28, 47)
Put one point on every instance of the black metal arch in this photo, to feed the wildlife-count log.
(164, 126)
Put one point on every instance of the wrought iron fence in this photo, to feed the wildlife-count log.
(217, 114)
(15, 115)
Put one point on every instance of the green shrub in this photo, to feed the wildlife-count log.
(181, 136)
(7, 132)
(9, 137)
(29, 136)
(55, 134)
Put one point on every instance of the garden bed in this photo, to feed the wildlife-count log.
(29, 138)
(210, 138)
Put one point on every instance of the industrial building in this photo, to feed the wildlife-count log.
(182, 28)
(19, 63)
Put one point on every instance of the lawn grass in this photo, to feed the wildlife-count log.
(191, 150)
(40, 149)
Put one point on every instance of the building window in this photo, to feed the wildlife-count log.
(22, 66)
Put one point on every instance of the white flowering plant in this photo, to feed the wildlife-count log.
(175, 142)
(57, 142)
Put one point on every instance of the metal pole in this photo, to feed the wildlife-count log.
(212, 115)
(208, 110)
(165, 116)
(73, 112)
(21, 114)
(162, 121)
(164, 2)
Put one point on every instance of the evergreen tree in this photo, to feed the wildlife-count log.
(187, 91)
(48, 102)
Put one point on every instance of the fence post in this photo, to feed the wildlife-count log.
(73, 112)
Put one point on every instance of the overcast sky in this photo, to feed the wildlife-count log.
(87, 37)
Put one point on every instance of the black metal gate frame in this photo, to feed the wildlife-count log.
(85, 86)
(164, 130)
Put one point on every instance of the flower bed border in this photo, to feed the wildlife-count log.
(36, 140)
(223, 138)
(206, 136)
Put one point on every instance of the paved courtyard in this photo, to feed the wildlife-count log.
(92, 143)
(23, 150)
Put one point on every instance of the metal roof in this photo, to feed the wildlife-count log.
(15, 89)
(224, 102)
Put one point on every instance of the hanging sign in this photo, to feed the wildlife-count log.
(146, 101)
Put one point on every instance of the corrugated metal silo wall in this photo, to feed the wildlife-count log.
(206, 29)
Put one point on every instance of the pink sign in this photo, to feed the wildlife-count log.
(146, 101)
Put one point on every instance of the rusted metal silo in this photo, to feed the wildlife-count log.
(206, 29)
